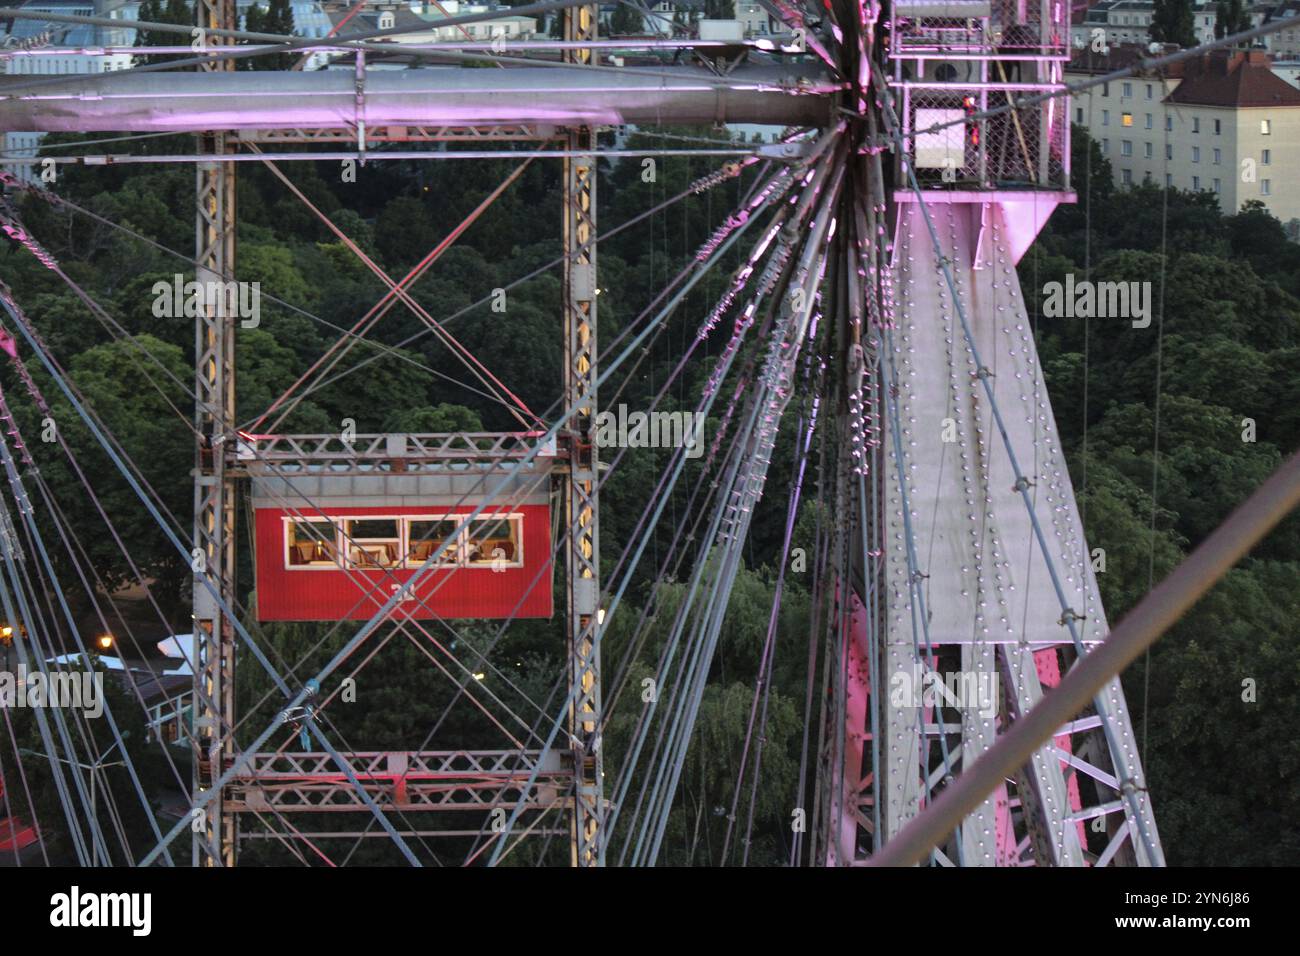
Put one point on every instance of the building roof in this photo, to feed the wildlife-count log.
(369, 19)
(1119, 56)
(155, 686)
(1235, 79)
(1282, 11)
(62, 34)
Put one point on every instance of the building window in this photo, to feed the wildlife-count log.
(1128, 89)
(1146, 177)
(1105, 117)
(1196, 183)
(493, 541)
(1218, 186)
(1105, 146)
(1078, 115)
(1148, 121)
(1218, 157)
(1169, 123)
(311, 544)
(1148, 91)
(1126, 119)
(1196, 154)
(1169, 180)
(1169, 150)
(1265, 127)
(1196, 124)
(1126, 147)
(487, 542)
(1266, 187)
(1146, 150)
(1126, 176)
(1105, 89)
(1266, 157)
(1218, 127)
(426, 536)
(372, 542)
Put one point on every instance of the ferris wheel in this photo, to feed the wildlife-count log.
(870, 315)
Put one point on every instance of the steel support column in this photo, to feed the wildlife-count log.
(582, 514)
(214, 491)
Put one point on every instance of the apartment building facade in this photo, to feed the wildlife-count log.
(1129, 21)
(39, 48)
(1283, 43)
(1225, 124)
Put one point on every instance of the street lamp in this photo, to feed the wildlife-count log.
(7, 641)
(105, 642)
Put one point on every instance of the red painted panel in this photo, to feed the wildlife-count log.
(16, 835)
(285, 594)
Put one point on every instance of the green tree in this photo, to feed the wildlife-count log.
(138, 389)
(1225, 681)
(626, 20)
(1172, 21)
(120, 814)
(443, 417)
(1230, 18)
(163, 11)
(277, 18)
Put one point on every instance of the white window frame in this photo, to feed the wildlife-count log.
(404, 563)
(346, 543)
(462, 541)
(457, 549)
(286, 521)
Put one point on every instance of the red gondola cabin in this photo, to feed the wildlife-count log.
(336, 540)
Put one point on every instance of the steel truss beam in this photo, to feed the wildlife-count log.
(214, 491)
(401, 781)
(582, 524)
(533, 830)
(459, 453)
(506, 133)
